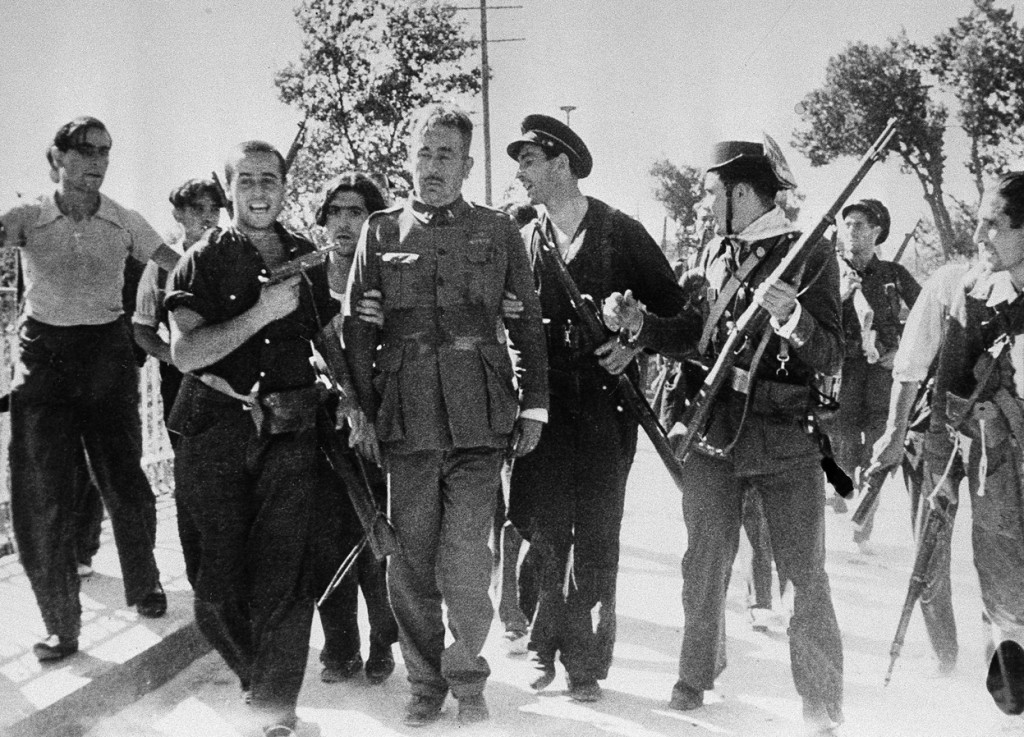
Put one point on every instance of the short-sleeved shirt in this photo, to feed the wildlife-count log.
(74, 270)
(219, 278)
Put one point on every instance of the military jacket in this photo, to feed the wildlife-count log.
(443, 375)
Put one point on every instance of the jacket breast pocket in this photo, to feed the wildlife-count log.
(479, 265)
(502, 404)
(387, 381)
(398, 278)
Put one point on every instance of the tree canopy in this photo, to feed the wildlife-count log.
(365, 66)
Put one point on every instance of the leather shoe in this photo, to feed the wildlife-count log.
(423, 710)
(685, 697)
(380, 664)
(473, 710)
(545, 675)
(334, 671)
(584, 690)
(55, 647)
(153, 604)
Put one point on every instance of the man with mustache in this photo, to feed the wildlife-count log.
(76, 382)
(440, 392)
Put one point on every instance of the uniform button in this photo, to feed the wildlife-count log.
(267, 341)
(441, 252)
(231, 296)
(619, 409)
(440, 281)
(263, 373)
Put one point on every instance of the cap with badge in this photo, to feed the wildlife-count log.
(729, 154)
(555, 137)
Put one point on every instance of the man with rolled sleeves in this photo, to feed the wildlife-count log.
(248, 463)
(76, 383)
(880, 288)
(567, 497)
(440, 391)
(756, 437)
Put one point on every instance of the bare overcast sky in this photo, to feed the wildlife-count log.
(178, 82)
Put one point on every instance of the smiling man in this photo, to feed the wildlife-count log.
(979, 393)
(247, 461)
(441, 393)
(76, 382)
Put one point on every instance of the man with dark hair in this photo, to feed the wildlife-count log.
(196, 208)
(567, 498)
(248, 462)
(873, 292)
(979, 399)
(440, 392)
(76, 383)
(756, 438)
(345, 204)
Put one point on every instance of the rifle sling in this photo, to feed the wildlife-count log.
(732, 286)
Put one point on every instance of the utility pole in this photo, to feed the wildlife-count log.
(567, 109)
(485, 84)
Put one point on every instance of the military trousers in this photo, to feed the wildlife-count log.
(77, 387)
(442, 507)
(251, 500)
(567, 499)
(793, 502)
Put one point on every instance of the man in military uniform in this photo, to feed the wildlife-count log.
(248, 463)
(76, 383)
(868, 286)
(441, 393)
(756, 436)
(567, 497)
(979, 393)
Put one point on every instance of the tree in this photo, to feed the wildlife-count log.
(864, 86)
(979, 61)
(680, 190)
(364, 67)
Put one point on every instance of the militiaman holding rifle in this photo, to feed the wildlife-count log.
(567, 496)
(755, 435)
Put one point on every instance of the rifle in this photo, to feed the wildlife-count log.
(755, 317)
(935, 523)
(289, 159)
(871, 488)
(597, 333)
(906, 241)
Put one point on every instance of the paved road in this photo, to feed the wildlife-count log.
(754, 697)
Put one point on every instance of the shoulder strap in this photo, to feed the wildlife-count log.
(725, 296)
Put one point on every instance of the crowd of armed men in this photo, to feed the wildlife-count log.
(443, 343)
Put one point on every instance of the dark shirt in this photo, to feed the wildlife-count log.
(219, 278)
(885, 285)
(617, 254)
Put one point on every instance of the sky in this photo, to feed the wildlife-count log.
(177, 83)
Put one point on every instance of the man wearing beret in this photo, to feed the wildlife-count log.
(879, 288)
(567, 496)
(440, 392)
(756, 438)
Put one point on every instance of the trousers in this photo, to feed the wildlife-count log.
(74, 388)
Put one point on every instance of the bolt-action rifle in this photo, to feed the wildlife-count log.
(754, 319)
(936, 521)
(906, 241)
(597, 333)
